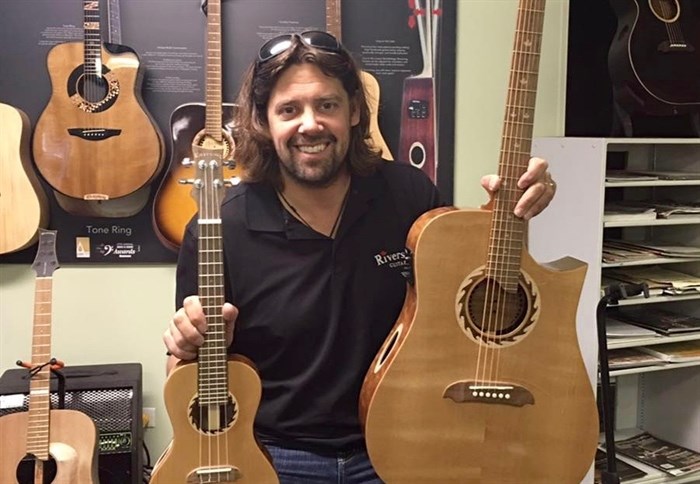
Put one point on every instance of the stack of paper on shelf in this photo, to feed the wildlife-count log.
(625, 211)
(656, 277)
(678, 352)
(660, 454)
(631, 358)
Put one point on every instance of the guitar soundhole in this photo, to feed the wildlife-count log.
(93, 88)
(665, 10)
(494, 311)
(25, 470)
(92, 93)
(213, 418)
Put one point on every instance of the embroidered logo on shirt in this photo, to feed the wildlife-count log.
(401, 261)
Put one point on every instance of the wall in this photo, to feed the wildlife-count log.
(107, 314)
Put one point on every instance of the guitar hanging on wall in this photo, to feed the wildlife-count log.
(193, 125)
(94, 140)
(212, 402)
(125, 206)
(60, 446)
(24, 208)
(334, 26)
(482, 380)
(654, 60)
(418, 133)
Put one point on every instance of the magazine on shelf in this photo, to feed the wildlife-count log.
(678, 352)
(656, 277)
(660, 320)
(625, 471)
(660, 454)
(622, 358)
(649, 248)
(670, 209)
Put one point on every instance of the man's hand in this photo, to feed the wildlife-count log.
(537, 183)
(185, 333)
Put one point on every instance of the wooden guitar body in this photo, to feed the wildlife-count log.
(654, 59)
(173, 206)
(417, 137)
(372, 93)
(96, 142)
(423, 423)
(24, 207)
(234, 447)
(73, 449)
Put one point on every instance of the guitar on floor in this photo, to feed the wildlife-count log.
(212, 402)
(193, 126)
(654, 58)
(334, 27)
(59, 446)
(482, 380)
(24, 208)
(94, 140)
(418, 132)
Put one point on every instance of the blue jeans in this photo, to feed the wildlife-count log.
(296, 466)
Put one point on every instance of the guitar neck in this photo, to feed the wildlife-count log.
(212, 125)
(93, 37)
(212, 367)
(39, 391)
(333, 18)
(507, 230)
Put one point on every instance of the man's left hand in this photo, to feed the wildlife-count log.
(538, 185)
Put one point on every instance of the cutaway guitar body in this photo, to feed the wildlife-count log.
(205, 449)
(94, 140)
(453, 398)
(72, 449)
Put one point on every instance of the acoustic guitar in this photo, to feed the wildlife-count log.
(59, 446)
(128, 205)
(418, 131)
(192, 125)
(372, 91)
(94, 140)
(481, 379)
(654, 58)
(24, 208)
(212, 402)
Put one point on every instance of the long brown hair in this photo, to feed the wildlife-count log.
(255, 151)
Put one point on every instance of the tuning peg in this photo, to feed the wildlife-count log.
(186, 181)
(187, 162)
(230, 164)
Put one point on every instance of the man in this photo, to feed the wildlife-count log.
(303, 237)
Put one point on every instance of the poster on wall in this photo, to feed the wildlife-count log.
(110, 124)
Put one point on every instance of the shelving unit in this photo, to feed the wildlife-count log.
(665, 399)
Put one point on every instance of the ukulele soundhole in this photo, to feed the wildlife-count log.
(490, 315)
(27, 466)
(213, 418)
(92, 93)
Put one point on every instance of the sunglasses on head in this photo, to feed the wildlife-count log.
(313, 38)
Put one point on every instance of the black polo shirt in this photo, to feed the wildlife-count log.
(313, 310)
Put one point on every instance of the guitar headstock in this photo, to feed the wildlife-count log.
(45, 262)
(209, 184)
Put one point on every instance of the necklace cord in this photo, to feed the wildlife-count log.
(336, 224)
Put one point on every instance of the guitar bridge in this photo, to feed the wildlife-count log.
(499, 393)
(94, 134)
(214, 474)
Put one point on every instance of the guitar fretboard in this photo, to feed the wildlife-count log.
(93, 37)
(508, 231)
(213, 75)
(213, 364)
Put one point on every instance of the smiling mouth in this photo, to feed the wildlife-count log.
(311, 149)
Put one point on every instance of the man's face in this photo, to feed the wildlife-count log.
(309, 119)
